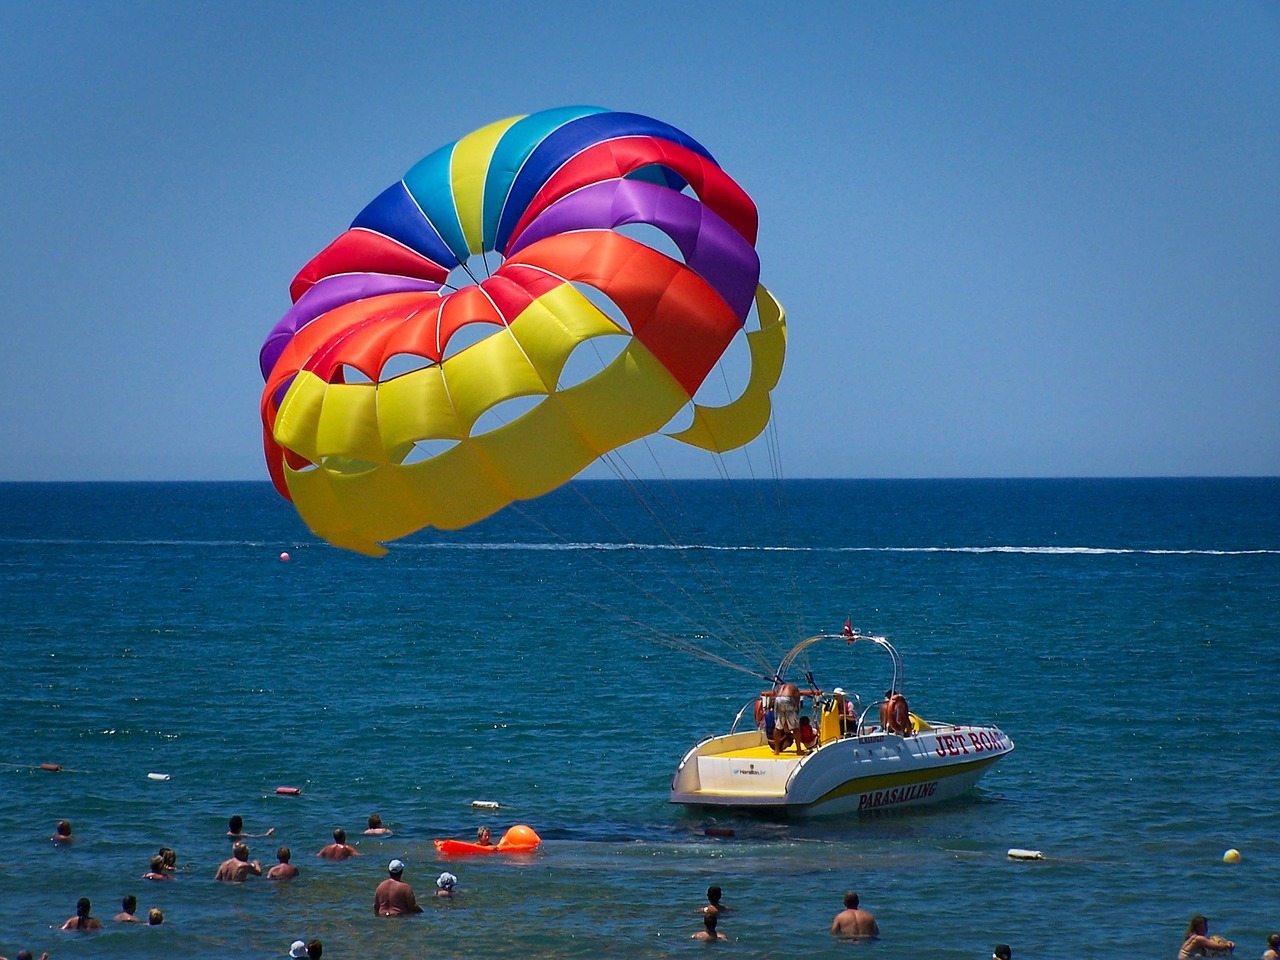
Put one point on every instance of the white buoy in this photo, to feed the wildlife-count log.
(485, 805)
(1017, 854)
(157, 776)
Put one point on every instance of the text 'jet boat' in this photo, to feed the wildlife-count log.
(846, 759)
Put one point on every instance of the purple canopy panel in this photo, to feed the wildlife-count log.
(325, 295)
(710, 246)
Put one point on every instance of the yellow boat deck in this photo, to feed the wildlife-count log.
(762, 752)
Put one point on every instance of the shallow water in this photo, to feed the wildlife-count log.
(1122, 633)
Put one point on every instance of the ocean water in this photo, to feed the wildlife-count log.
(1122, 632)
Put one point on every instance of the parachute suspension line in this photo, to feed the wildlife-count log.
(694, 598)
(748, 645)
(774, 448)
(642, 628)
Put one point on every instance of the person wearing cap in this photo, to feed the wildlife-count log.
(846, 709)
(1002, 952)
(394, 897)
(445, 884)
(298, 950)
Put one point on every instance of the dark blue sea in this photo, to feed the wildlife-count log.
(1122, 632)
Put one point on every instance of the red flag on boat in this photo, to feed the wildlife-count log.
(848, 629)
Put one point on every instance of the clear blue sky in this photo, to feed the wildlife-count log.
(1013, 239)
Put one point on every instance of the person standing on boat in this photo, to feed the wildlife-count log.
(786, 715)
(853, 921)
(895, 715)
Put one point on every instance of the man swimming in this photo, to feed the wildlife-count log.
(339, 849)
(237, 868)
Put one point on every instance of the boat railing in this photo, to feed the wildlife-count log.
(748, 706)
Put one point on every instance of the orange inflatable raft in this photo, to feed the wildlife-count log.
(519, 839)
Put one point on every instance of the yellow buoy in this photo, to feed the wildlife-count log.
(1231, 856)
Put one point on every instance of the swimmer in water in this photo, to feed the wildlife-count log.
(376, 828)
(235, 830)
(284, 870)
(238, 867)
(82, 921)
(339, 849)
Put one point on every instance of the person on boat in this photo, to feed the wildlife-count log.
(235, 829)
(846, 710)
(853, 921)
(128, 910)
(394, 897)
(786, 715)
(237, 867)
(376, 828)
(709, 934)
(805, 734)
(157, 870)
(895, 716)
(1198, 943)
(445, 884)
(1273, 947)
(62, 833)
(283, 870)
(714, 893)
(83, 920)
(484, 837)
(339, 849)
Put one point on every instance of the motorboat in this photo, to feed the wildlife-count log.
(862, 756)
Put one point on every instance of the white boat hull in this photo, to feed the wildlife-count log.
(853, 774)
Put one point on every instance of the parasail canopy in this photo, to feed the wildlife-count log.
(383, 380)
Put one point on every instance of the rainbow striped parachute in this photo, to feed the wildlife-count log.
(379, 378)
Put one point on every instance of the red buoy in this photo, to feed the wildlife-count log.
(51, 767)
(289, 791)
